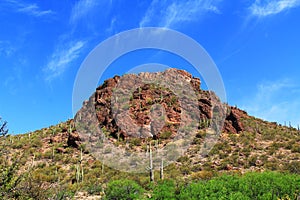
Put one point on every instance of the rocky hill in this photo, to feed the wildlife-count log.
(57, 162)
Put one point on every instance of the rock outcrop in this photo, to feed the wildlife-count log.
(233, 123)
(156, 107)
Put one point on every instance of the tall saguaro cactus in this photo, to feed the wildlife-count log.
(150, 168)
(151, 164)
(79, 168)
(162, 169)
(80, 161)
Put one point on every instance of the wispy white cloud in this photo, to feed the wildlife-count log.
(81, 9)
(29, 9)
(112, 26)
(62, 58)
(275, 101)
(84, 8)
(168, 13)
(271, 7)
(34, 10)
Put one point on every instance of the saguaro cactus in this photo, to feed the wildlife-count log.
(162, 161)
(77, 173)
(70, 129)
(150, 168)
(162, 169)
(80, 161)
(79, 169)
(102, 167)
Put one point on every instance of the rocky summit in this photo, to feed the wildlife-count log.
(148, 93)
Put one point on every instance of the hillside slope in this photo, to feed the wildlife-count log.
(55, 162)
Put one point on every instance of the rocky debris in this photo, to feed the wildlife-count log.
(228, 167)
(86, 196)
(73, 140)
(57, 138)
(60, 150)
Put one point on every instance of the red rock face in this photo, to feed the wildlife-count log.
(149, 97)
(233, 122)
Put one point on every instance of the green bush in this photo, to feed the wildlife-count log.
(267, 185)
(164, 190)
(123, 189)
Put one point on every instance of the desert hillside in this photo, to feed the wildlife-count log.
(56, 163)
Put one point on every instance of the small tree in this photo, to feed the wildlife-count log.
(3, 128)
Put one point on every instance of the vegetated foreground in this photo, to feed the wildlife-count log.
(53, 163)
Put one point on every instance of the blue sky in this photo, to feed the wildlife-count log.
(254, 43)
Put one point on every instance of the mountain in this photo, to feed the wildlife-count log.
(128, 114)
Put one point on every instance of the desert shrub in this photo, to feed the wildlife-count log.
(123, 189)
(268, 135)
(135, 142)
(201, 134)
(207, 166)
(94, 188)
(184, 159)
(64, 194)
(246, 151)
(271, 150)
(293, 167)
(17, 144)
(290, 144)
(202, 175)
(196, 167)
(295, 148)
(172, 172)
(37, 143)
(48, 154)
(277, 145)
(185, 169)
(164, 190)
(217, 188)
(197, 141)
(221, 148)
(252, 160)
(267, 185)
(165, 135)
(271, 165)
(46, 174)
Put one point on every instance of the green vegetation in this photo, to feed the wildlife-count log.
(43, 165)
(123, 190)
(266, 185)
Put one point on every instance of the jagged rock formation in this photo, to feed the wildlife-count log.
(144, 97)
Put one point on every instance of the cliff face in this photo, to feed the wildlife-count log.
(148, 96)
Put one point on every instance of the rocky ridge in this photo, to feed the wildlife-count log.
(142, 99)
